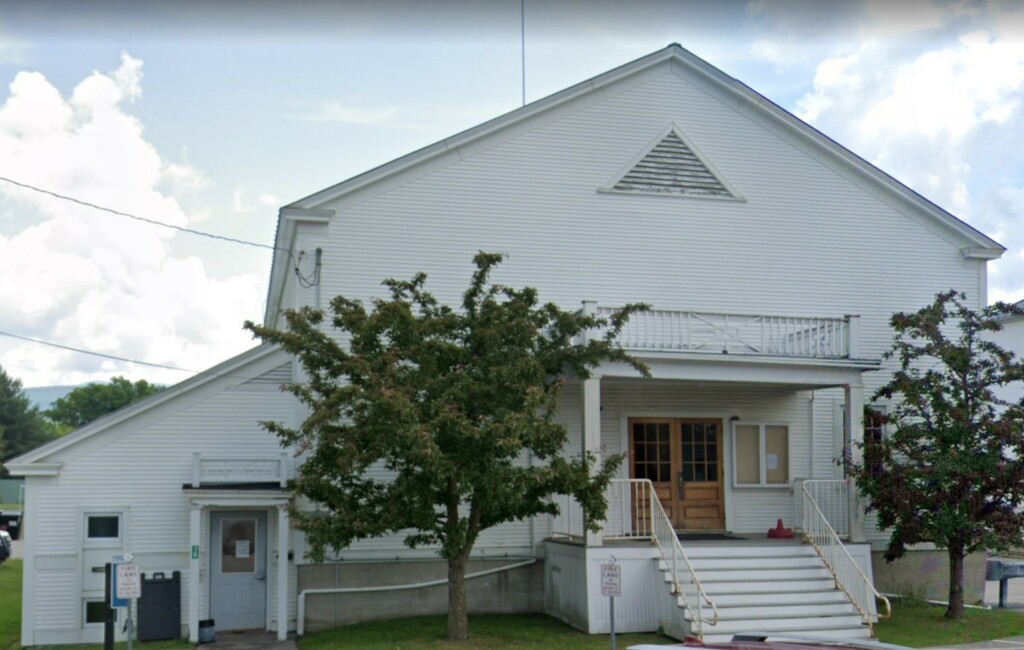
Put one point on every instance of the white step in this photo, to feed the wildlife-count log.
(771, 610)
(749, 551)
(826, 596)
(858, 632)
(806, 623)
(761, 575)
(713, 563)
(787, 586)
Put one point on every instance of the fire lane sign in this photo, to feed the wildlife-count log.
(129, 581)
(611, 580)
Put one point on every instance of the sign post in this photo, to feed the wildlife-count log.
(611, 586)
(127, 587)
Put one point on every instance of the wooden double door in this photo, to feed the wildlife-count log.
(682, 457)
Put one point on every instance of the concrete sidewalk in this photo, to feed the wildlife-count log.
(1012, 643)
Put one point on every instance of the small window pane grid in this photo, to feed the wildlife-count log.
(238, 546)
(103, 527)
(700, 452)
(760, 455)
(874, 432)
(652, 449)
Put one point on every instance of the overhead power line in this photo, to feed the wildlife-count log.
(136, 217)
(95, 354)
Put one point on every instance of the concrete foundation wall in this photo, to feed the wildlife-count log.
(519, 590)
(925, 574)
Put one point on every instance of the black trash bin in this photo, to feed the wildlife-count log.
(160, 607)
(207, 631)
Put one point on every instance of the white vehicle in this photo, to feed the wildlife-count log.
(8, 544)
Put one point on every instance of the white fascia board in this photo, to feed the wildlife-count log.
(33, 469)
(982, 253)
(133, 410)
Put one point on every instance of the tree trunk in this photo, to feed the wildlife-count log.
(956, 583)
(458, 613)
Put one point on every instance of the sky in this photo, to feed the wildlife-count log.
(212, 115)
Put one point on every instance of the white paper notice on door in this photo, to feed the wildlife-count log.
(242, 548)
(772, 462)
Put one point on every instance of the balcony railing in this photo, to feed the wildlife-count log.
(208, 470)
(660, 330)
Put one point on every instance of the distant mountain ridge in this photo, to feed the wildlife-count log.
(45, 396)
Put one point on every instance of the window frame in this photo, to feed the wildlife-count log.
(762, 427)
(89, 541)
(85, 612)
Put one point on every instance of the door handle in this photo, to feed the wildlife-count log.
(261, 576)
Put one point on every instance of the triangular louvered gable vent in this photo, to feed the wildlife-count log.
(672, 167)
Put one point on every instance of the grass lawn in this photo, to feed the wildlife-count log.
(918, 624)
(497, 632)
(10, 604)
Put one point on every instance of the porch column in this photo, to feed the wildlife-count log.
(194, 524)
(855, 442)
(282, 571)
(592, 435)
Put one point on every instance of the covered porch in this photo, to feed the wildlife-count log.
(738, 427)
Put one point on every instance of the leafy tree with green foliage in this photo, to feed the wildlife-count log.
(87, 403)
(22, 426)
(450, 402)
(949, 470)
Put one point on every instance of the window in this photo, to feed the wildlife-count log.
(760, 454)
(94, 611)
(103, 527)
(874, 433)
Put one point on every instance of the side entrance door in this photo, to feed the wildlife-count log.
(238, 570)
(683, 459)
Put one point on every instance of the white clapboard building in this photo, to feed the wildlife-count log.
(773, 258)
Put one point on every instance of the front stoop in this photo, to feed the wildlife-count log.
(765, 588)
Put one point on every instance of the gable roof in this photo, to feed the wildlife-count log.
(33, 462)
(975, 244)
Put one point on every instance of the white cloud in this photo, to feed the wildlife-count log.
(94, 280)
(945, 120)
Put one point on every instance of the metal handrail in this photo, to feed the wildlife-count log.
(663, 534)
(845, 571)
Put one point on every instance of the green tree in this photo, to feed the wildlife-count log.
(22, 426)
(87, 403)
(949, 470)
(450, 401)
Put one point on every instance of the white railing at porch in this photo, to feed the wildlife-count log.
(635, 512)
(758, 334)
(847, 573)
(833, 499)
(208, 470)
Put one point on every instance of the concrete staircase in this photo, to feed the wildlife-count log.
(770, 588)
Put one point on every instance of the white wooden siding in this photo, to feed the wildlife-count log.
(141, 474)
(806, 241)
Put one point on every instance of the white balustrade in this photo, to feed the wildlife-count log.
(720, 333)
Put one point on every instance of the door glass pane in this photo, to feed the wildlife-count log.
(699, 474)
(687, 433)
(639, 435)
(238, 546)
(713, 472)
(748, 454)
(664, 473)
(776, 443)
(687, 472)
